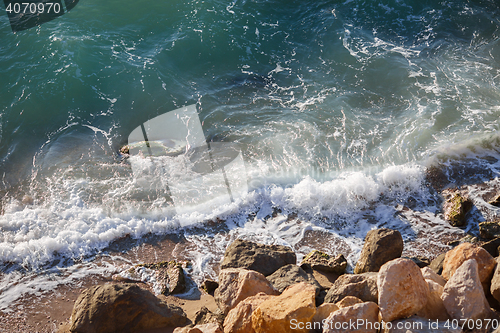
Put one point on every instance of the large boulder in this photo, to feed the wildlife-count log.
(490, 229)
(122, 307)
(434, 308)
(463, 295)
(402, 290)
(265, 259)
(287, 313)
(239, 319)
(323, 262)
(495, 282)
(381, 246)
(289, 275)
(236, 284)
(361, 317)
(465, 251)
(417, 324)
(362, 286)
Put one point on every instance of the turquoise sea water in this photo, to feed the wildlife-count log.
(335, 105)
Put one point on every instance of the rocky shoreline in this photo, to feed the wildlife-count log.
(261, 288)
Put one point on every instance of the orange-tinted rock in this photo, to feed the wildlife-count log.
(348, 301)
(429, 274)
(236, 284)
(204, 328)
(287, 313)
(465, 251)
(463, 295)
(402, 290)
(434, 308)
(239, 319)
(359, 318)
(323, 311)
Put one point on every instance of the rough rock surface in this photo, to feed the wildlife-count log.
(457, 256)
(419, 325)
(239, 319)
(456, 207)
(209, 286)
(402, 290)
(492, 247)
(204, 328)
(489, 230)
(463, 295)
(289, 275)
(348, 301)
(275, 315)
(429, 274)
(120, 308)
(323, 262)
(367, 312)
(236, 284)
(362, 286)
(322, 312)
(381, 246)
(205, 316)
(437, 264)
(434, 308)
(265, 259)
(495, 282)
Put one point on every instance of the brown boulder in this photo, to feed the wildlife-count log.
(463, 295)
(429, 274)
(465, 251)
(490, 229)
(437, 264)
(239, 319)
(362, 286)
(265, 259)
(287, 313)
(122, 307)
(495, 282)
(402, 290)
(381, 246)
(455, 207)
(359, 318)
(322, 312)
(434, 308)
(236, 284)
(289, 275)
(348, 301)
(323, 262)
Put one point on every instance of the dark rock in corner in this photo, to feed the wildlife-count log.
(437, 264)
(323, 262)
(456, 207)
(265, 259)
(381, 246)
(489, 230)
(209, 286)
(362, 286)
(289, 275)
(492, 247)
(113, 308)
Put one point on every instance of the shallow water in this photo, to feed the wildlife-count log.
(336, 108)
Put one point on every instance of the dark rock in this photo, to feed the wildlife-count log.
(381, 246)
(437, 264)
(289, 275)
(323, 262)
(420, 261)
(456, 207)
(265, 259)
(492, 246)
(325, 279)
(489, 230)
(170, 276)
(362, 286)
(205, 316)
(209, 286)
(122, 308)
(495, 201)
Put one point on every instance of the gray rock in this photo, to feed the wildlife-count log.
(437, 264)
(289, 275)
(381, 246)
(362, 286)
(323, 262)
(170, 276)
(114, 308)
(265, 259)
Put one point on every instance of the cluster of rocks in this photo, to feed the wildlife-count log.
(261, 288)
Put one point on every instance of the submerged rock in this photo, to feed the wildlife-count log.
(495, 201)
(169, 275)
(265, 259)
(323, 262)
(122, 308)
(381, 246)
(456, 207)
